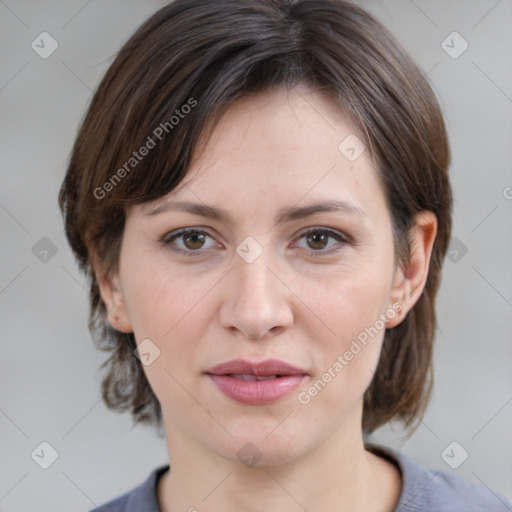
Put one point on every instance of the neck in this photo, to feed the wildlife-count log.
(339, 474)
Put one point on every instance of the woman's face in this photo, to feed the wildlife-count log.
(256, 286)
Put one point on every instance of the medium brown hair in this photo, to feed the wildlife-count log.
(208, 55)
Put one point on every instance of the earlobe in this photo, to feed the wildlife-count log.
(112, 295)
(116, 308)
(409, 283)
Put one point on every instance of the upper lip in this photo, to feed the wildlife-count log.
(260, 369)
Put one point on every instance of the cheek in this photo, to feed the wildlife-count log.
(161, 301)
(171, 309)
(348, 303)
(353, 311)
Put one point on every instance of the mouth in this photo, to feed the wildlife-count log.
(247, 376)
(256, 383)
(269, 368)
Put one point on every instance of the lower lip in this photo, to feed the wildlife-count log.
(257, 392)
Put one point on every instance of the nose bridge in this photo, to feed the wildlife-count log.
(257, 301)
(255, 281)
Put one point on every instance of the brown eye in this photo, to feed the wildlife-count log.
(317, 240)
(187, 241)
(194, 240)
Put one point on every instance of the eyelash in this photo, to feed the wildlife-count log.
(167, 240)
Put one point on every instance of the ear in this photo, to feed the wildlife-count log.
(112, 295)
(409, 283)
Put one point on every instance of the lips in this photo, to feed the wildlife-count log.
(256, 383)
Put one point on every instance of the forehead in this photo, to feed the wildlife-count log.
(278, 147)
(278, 119)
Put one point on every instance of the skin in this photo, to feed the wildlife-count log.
(270, 150)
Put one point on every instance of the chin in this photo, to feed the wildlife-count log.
(258, 443)
(261, 454)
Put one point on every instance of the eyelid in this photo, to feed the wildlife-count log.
(340, 237)
(170, 236)
(323, 229)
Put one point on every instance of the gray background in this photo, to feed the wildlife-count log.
(49, 378)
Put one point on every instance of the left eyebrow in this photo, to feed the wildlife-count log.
(301, 212)
(286, 214)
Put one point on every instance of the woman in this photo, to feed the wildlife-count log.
(260, 198)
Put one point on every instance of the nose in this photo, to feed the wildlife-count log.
(257, 301)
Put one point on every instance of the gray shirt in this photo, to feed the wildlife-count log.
(423, 490)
